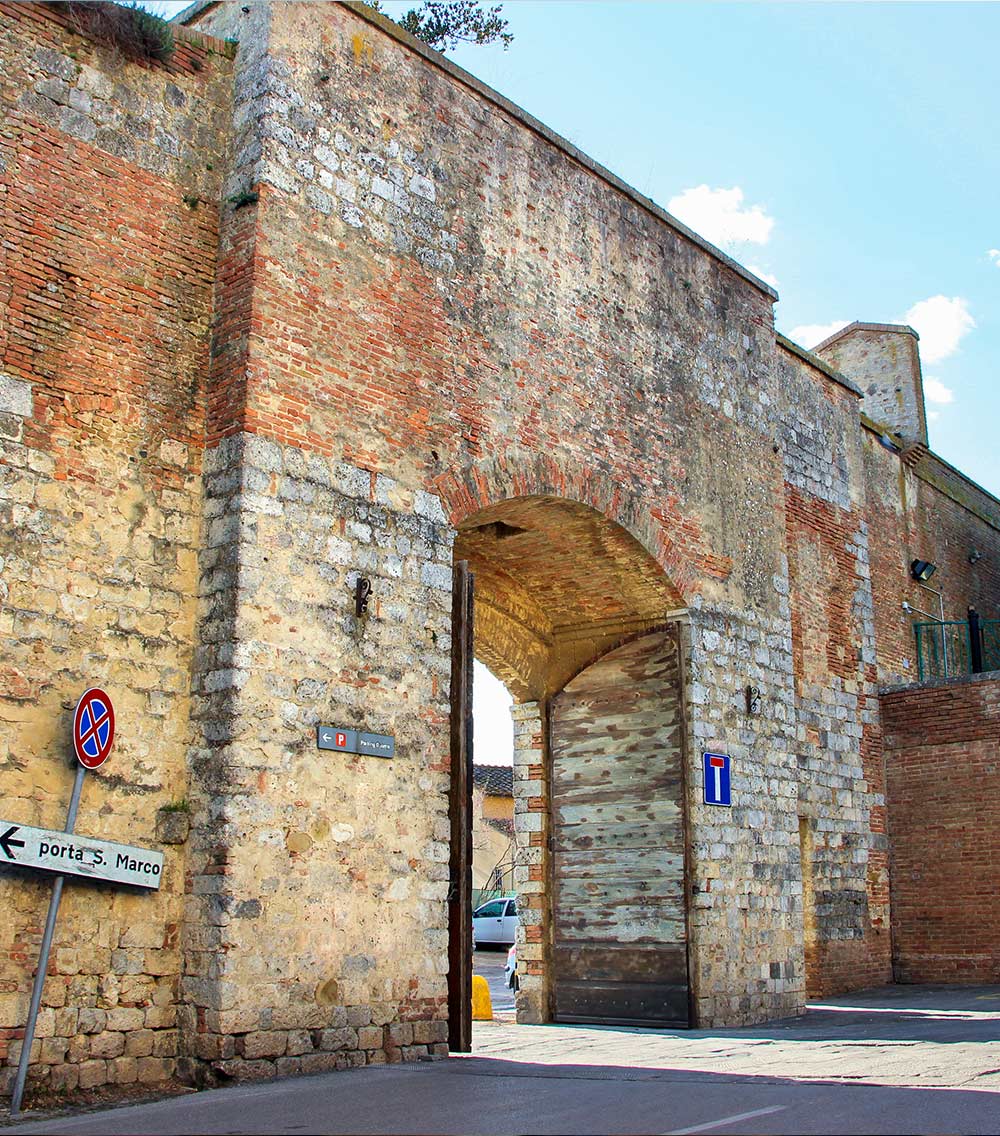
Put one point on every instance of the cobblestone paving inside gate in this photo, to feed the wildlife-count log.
(932, 1036)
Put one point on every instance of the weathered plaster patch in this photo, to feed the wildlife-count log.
(15, 396)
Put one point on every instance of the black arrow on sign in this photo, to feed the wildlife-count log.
(6, 841)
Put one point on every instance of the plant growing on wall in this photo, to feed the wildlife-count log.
(130, 29)
(443, 24)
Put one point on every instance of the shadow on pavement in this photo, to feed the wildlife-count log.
(554, 1080)
(506, 1098)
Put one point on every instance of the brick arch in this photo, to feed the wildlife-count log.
(558, 580)
(487, 484)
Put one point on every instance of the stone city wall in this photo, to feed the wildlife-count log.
(841, 791)
(274, 324)
(919, 507)
(316, 926)
(457, 300)
(107, 266)
(884, 361)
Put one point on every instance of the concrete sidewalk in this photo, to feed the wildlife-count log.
(894, 1060)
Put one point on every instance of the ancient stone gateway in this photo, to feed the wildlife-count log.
(304, 304)
(578, 618)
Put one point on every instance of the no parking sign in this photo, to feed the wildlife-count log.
(93, 728)
(63, 852)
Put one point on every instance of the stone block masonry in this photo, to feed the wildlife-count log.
(315, 874)
(531, 868)
(842, 838)
(420, 308)
(318, 306)
(745, 913)
(108, 199)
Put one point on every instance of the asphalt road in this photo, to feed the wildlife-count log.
(900, 1060)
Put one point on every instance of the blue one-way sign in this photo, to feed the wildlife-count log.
(717, 779)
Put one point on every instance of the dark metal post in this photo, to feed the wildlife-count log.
(460, 806)
(43, 957)
(975, 641)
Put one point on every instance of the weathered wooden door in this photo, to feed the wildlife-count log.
(619, 932)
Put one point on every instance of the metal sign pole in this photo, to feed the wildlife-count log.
(43, 956)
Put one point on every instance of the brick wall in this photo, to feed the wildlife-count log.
(107, 269)
(944, 812)
(841, 803)
(919, 507)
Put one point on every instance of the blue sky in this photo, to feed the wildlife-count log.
(849, 153)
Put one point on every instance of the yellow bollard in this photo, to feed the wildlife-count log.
(482, 1007)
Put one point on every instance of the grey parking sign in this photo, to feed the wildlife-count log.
(355, 741)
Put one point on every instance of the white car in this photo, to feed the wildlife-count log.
(510, 970)
(494, 922)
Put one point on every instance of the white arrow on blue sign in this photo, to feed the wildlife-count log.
(717, 790)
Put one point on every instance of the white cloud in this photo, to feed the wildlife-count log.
(765, 276)
(720, 215)
(994, 255)
(936, 391)
(811, 334)
(941, 322)
(933, 415)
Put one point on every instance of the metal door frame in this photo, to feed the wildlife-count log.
(460, 813)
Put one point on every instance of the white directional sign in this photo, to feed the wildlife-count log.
(74, 855)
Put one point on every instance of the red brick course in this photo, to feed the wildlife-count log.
(943, 770)
(918, 507)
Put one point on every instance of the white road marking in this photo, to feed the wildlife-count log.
(725, 1121)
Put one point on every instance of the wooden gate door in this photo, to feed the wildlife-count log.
(619, 932)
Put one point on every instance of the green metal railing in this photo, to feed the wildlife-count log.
(948, 649)
(991, 644)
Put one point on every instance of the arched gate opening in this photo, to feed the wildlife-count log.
(582, 625)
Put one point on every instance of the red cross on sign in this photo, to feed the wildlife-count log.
(93, 728)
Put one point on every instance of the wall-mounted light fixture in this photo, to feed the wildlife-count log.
(753, 699)
(975, 556)
(922, 570)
